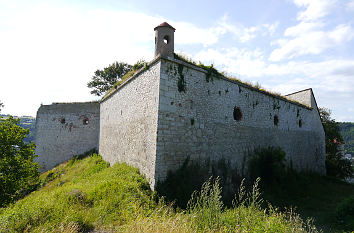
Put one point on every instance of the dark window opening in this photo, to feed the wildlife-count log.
(62, 120)
(192, 121)
(166, 39)
(276, 120)
(237, 114)
(85, 121)
(300, 123)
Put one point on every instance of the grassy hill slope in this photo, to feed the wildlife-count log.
(83, 195)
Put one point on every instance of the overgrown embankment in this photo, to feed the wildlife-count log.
(86, 194)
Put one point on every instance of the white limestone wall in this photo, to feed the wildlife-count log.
(64, 130)
(128, 123)
(199, 123)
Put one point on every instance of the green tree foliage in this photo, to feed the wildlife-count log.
(347, 131)
(18, 172)
(336, 165)
(103, 80)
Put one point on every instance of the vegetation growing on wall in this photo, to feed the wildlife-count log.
(214, 73)
(181, 83)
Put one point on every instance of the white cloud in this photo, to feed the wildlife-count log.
(308, 40)
(332, 80)
(342, 33)
(331, 75)
(303, 28)
(238, 61)
(350, 6)
(309, 36)
(245, 34)
(315, 9)
(270, 28)
(188, 33)
(49, 53)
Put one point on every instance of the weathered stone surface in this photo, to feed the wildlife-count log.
(154, 123)
(128, 123)
(64, 130)
(200, 122)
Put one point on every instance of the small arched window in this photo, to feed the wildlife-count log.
(62, 120)
(166, 39)
(85, 121)
(300, 123)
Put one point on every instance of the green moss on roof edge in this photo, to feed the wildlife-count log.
(203, 69)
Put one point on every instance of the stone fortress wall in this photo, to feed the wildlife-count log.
(128, 122)
(227, 119)
(64, 130)
(171, 110)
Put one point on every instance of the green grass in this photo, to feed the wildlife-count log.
(86, 194)
(313, 196)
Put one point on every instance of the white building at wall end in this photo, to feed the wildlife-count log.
(172, 110)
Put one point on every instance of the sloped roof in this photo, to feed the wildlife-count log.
(165, 24)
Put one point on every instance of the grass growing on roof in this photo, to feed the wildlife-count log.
(214, 73)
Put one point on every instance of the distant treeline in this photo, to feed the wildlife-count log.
(26, 122)
(347, 131)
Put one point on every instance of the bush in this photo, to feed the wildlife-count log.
(267, 163)
(339, 167)
(345, 212)
(18, 172)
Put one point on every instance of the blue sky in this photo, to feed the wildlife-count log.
(49, 50)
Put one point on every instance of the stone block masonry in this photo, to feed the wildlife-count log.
(222, 118)
(170, 110)
(64, 130)
(128, 122)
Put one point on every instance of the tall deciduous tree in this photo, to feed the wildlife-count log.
(18, 172)
(104, 79)
(336, 164)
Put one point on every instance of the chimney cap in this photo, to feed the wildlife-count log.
(165, 24)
